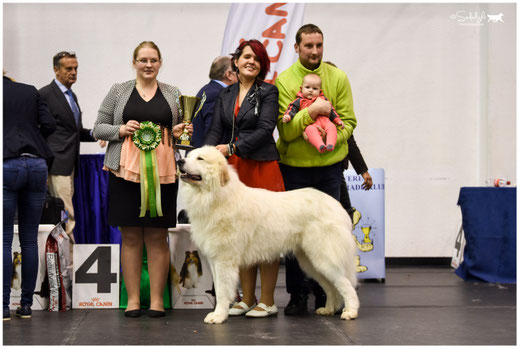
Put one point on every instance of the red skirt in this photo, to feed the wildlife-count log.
(258, 174)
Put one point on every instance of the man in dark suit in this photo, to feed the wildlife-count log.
(64, 143)
(221, 75)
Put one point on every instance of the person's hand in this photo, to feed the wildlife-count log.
(367, 183)
(286, 118)
(322, 131)
(129, 129)
(179, 128)
(341, 124)
(102, 143)
(223, 148)
(190, 129)
(319, 107)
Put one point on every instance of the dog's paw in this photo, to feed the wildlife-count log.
(215, 318)
(324, 311)
(349, 314)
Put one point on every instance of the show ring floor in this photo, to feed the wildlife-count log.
(415, 306)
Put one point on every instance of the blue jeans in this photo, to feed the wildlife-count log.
(25, 188)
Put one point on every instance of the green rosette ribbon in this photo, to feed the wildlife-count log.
(147, 138)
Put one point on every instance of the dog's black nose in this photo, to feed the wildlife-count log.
(181, 162)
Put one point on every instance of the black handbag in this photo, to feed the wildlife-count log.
(52, 208)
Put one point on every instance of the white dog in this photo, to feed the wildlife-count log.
(235, 226)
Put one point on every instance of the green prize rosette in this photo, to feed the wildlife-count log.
(147, 138)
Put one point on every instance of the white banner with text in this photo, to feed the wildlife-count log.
(273, 24)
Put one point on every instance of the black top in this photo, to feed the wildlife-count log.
(355, 157)
(252, 130)
(27, 121)
(156, 110)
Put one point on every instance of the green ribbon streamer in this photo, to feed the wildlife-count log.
(146, 139)
(157, 184)
(150, 184)
(143, 185)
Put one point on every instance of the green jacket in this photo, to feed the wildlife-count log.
(294, 150)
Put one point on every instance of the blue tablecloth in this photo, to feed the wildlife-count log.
(489, 223)
(90, 202)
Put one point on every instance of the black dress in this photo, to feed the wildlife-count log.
(124, 196)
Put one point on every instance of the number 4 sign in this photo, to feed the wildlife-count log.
(96, 276)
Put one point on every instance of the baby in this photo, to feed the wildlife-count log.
(309, 91)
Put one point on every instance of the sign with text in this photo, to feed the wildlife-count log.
(369, 232)
(96, 276)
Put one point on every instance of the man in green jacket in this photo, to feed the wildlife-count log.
(300, 163)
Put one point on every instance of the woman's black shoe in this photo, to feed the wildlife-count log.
(156, 313)
(133, 313)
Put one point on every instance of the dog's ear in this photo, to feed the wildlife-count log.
(224, 173)
(199, 262)
(188, 253)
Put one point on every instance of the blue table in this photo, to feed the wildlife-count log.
(489, 223)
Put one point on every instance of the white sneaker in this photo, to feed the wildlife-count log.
(240, 311)
(267, 311)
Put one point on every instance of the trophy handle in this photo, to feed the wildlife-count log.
(202, 100)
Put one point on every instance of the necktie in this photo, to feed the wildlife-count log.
(73, 106)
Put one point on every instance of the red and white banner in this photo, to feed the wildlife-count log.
(273, 24)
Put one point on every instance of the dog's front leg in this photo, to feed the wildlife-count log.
(225, 279)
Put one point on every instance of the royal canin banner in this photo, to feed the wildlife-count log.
(273, 24)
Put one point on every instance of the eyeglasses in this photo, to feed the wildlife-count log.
(144, 60)
(66, 54)
(60, 55)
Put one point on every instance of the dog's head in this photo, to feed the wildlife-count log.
(17, 258)
(204, 166)
(192, 257)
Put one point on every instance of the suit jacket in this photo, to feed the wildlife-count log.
(202, 122)
(252, 131)
(355, 157)
(27, 122)
(65, 141)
